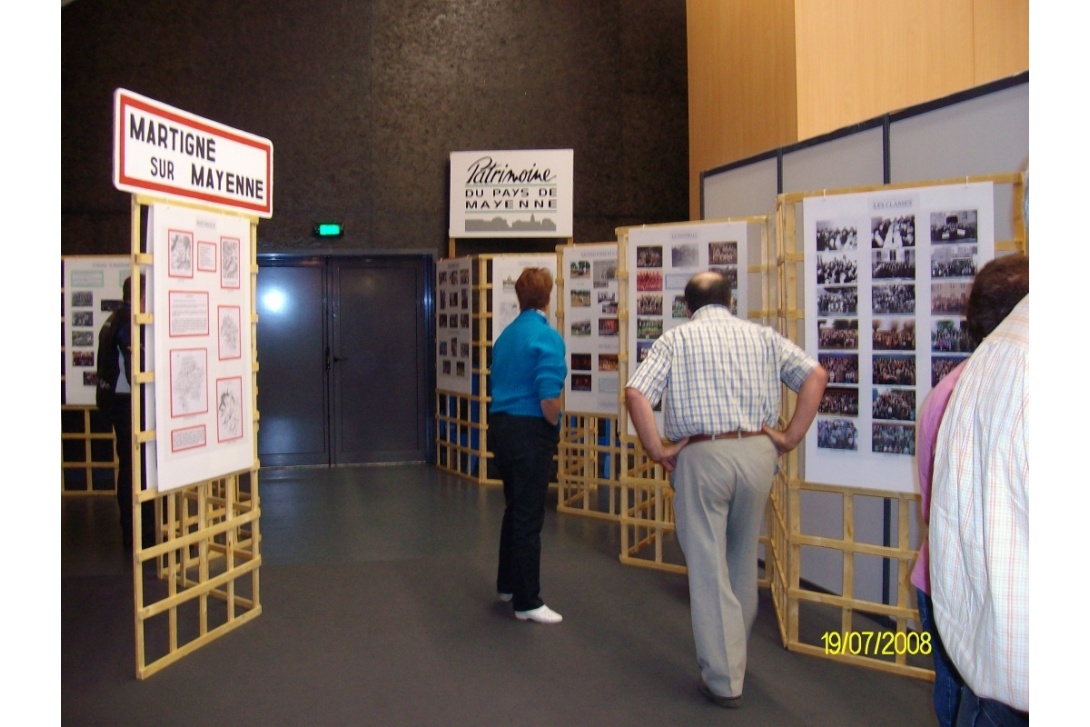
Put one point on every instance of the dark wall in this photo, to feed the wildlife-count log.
(364, 101)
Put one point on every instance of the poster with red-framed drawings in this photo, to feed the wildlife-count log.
(887, 276)
(202, 392)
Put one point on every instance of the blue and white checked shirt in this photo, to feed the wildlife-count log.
(722, 374)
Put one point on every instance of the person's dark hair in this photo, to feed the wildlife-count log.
(708, 288)
(534, 288)
(126, 289)
(997, 289)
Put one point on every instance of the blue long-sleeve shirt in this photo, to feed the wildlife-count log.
(528, 365)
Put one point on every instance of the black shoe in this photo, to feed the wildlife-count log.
(724, 702)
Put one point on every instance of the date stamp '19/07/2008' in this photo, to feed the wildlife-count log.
(877, 643)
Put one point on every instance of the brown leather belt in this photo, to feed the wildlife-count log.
(724, 435)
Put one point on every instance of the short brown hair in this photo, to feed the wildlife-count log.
(998, 288)
(534, 288)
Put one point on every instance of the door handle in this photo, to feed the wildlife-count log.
(338, 359)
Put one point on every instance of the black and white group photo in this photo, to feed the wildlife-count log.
(833, 235)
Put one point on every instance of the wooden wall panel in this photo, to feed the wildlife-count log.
(1001, 40)
(741, 82)
(858, 59)
(769, 74)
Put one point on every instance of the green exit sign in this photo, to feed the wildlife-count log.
(328, 229)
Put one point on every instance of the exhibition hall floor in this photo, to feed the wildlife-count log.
(377, 588)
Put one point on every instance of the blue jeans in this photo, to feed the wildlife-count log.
(947, 680)
(978, 712)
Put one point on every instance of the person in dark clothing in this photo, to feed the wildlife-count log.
(114, 399)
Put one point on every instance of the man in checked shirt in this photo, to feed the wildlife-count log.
(723, 375)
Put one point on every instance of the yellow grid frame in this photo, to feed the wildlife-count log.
(206, 560)
(790, 592)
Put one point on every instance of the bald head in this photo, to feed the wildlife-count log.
(708, 288)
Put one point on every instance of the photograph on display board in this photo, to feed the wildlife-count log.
(228, 409)
(231, 265)
(837, 434)
(188, 382)
(894, 334)
(230, 332)
(723, 253)
(942, 365)
(836, 235)
(895, 264)
(953, 227)
(843, 368)
(840, 400)
(899, 370)
(893, 232)
(605, 272)
(836, 268)
(953, 261)
(180, 254)
(885, 318)
(838, 333)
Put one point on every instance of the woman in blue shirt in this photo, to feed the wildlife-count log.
(527, 376)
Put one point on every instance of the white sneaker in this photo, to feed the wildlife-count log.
(505, 597)
(541, 614)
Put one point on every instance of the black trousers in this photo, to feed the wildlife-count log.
(120, 414)
(524, 449)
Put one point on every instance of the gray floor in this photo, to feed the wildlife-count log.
(378, 609)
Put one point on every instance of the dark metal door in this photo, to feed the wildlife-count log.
(380, 356)
(292, 388)
(344, 355)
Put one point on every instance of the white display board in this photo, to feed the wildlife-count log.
(661, 259)
(591, 328)
(887, 276)
(201, 352)
(506, 269)
(454, 325)
(92, 291)
(525, 193)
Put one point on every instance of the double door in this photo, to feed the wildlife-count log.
(344, 360)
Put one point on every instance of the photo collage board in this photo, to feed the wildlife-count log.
(592, 329)
(887, 277)
(454, 325)
(661, 259)
(92, 292)
(201, 348)
(506, 269)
